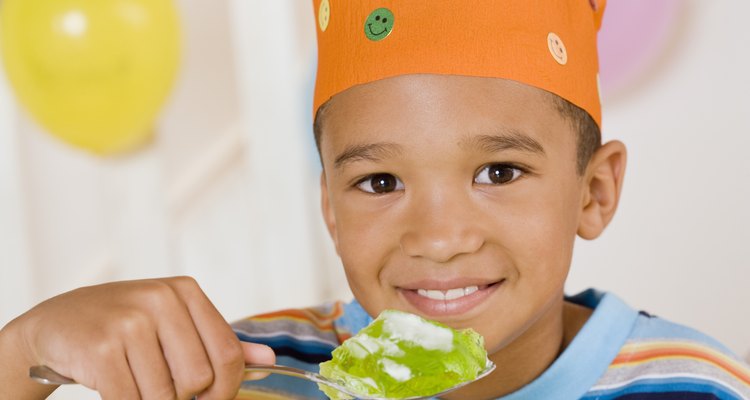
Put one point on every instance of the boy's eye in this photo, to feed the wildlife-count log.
(497, 174)
(380, 183)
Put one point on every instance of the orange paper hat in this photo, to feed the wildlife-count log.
(549, 44)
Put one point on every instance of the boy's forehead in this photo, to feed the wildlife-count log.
(548, 45)
(464, 113)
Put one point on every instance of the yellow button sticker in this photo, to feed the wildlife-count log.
(557, 48)
(324, 15)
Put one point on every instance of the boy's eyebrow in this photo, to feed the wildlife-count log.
(507, 139)
(370, 152)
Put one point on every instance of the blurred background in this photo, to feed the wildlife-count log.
(227, 191)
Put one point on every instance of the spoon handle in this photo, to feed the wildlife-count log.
(288, 371)
(48, 376)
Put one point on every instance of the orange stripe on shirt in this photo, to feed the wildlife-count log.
(641, 353)
(322, 321)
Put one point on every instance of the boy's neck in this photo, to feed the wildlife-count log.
(528, 356)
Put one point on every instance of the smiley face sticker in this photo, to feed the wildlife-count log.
(557, 48)
(379, 24)
(324, 15)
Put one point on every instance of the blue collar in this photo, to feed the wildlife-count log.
(590, 353)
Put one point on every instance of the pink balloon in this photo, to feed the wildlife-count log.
(633, 36)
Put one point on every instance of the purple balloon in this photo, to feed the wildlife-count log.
(633, 36)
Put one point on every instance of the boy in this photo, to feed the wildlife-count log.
(461, 155)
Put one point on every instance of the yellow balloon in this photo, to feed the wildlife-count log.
(93, 72)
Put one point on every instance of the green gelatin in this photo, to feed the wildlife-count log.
(402, 355)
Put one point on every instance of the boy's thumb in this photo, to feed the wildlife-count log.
(257, 354)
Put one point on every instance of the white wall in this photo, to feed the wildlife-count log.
(679, 244)
(228, 192)
(15, 271)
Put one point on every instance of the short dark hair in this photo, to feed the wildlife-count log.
(318, 126)
(588, 138)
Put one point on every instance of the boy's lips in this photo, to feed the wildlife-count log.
(446, 298)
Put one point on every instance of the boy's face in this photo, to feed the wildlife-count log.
(453, 186)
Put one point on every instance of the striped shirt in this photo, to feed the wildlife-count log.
(620, 353)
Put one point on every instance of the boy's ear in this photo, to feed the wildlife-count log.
(602, 186)
(328, 215)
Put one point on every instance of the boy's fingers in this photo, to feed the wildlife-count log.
(220, 342)
(150, 370)
(117, 383)
(183, 348)
(257, 354)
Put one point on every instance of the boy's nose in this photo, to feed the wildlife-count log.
(441, 229)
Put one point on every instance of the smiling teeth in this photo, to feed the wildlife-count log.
(451, 294)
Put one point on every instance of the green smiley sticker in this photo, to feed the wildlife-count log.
(379, 24)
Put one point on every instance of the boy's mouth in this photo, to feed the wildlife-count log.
(451, 294)
(437, 300)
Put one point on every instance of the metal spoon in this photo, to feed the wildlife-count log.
(48, 376)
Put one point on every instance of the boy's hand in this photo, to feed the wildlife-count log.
(151, 339)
